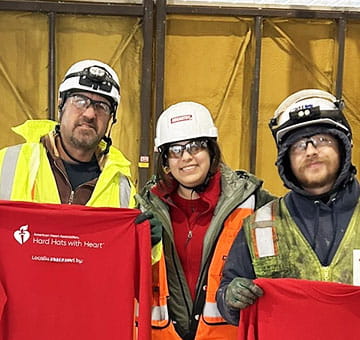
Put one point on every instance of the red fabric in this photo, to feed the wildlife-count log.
(299, 309)
(195, 216)
(72, 272)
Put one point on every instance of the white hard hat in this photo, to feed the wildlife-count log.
(183, 121)
(92, 76)
(305, 108)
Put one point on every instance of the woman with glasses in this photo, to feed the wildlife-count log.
(200, 203)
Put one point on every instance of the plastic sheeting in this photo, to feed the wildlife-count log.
(208, 59)
(337, 5)
(117, 41)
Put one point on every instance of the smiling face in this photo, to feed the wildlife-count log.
(189, 169)
(316, 167)
(82, 129)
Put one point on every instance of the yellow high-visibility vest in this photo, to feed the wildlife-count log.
(26, 175)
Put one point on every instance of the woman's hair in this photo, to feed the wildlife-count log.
(165, 178)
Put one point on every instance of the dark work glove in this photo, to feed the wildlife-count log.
(155, 225)
(241, 293)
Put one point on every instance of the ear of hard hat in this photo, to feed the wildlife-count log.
(183, 121)
(91, 76)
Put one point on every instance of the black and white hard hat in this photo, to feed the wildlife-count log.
(306, 108)
(91, 76)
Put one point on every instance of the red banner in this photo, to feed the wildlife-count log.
(294, 309)
(72, 272)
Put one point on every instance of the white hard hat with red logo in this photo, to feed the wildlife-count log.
(184, 121)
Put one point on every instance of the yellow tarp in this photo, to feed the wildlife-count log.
(117, 41)
(208, 59)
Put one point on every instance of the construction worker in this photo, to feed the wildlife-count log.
(72, 161)
(200, 203)
(311, 232)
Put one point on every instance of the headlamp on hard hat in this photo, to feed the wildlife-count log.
(306, 112)
(299, 114)
(96, 78)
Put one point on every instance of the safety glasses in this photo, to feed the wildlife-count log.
(318, 141)
(193, 147)
(82, 102)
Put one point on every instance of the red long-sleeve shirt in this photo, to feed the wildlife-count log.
(190, 220)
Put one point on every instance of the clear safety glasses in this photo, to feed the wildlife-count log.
(193, 147)
(318, 141)
(82, 102)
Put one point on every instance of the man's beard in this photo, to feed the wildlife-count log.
(316, 181)
(87, 143)
(85, 140)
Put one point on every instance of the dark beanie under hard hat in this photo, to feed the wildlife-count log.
(346, 170)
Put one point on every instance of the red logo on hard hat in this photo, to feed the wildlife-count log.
(180, 119)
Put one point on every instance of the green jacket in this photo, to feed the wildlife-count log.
(236, 187)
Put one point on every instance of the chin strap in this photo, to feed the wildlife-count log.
(108, 142)
(108, 139)
(201, 187)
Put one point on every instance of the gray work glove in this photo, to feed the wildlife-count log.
(241, 293)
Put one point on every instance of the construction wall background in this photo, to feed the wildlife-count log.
(208, 59)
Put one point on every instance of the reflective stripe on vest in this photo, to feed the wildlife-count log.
(159, 313)
(8, 171)
(231, 228)
(263, 234)
(211, 310)
(10, 162)
(124, 192)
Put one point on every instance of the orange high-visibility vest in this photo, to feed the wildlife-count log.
(211, 324)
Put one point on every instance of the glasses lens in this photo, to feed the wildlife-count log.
(321, 140)
(176, 150)
(101, 107)
(80, 102)
(194, 147)
(299, 146)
